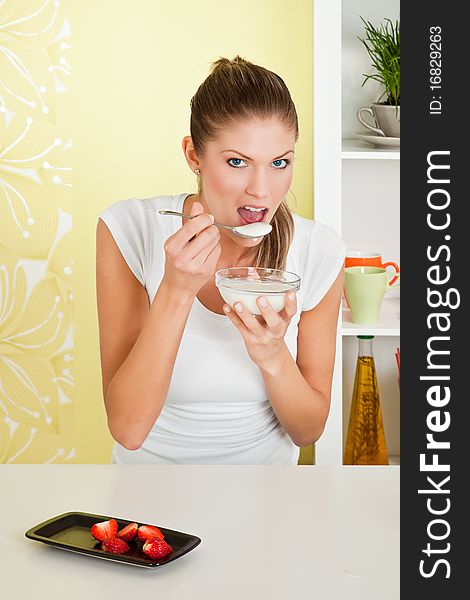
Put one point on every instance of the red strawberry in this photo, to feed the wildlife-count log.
(115, 546)
(104, 530)
(149, 532)
(128, 532)
(156, 548)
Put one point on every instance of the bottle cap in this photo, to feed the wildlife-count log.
(365, 337)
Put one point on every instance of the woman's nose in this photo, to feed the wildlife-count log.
(258, 186)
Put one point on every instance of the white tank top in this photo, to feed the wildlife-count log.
(217, 410)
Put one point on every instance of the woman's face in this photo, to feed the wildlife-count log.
(246, 172)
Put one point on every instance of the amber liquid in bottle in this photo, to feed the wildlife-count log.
(365, 442)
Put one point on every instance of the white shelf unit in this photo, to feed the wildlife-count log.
(356, 191)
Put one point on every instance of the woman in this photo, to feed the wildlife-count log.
(186, 378)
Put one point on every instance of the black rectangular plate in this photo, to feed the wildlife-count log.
(71, 531)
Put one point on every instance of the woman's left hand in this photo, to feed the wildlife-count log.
(264, 337)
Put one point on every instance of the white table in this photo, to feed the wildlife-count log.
(267, 532)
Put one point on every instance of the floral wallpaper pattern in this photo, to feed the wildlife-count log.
(36, 266)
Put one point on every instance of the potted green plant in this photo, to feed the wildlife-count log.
(383, 46)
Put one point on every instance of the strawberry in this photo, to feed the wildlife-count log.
(104, 530)
(156, 548)
(149, 532)
(115, 546)
(128, 532)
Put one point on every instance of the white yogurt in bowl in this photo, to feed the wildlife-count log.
(246, 284)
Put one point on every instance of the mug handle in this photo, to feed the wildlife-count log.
(389, 283)
(368, 110)
(397, 270)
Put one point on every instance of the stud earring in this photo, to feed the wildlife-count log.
(197, 171)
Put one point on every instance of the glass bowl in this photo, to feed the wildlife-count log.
(246, 284)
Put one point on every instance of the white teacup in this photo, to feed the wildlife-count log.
(386, 119)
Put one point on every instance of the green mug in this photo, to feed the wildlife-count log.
(365, 288)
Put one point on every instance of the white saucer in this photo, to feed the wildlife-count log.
(379, 141)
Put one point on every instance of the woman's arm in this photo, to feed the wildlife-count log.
(300, 391)
(138, 342)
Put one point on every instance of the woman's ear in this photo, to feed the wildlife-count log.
(190, 153)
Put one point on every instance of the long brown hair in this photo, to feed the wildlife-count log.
(235, 90)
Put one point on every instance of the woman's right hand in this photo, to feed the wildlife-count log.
(191, 254)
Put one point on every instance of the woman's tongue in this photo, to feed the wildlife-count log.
(251, 216)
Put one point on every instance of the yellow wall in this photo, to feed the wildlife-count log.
(135, 66)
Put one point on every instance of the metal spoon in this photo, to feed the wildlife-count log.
(241, 230)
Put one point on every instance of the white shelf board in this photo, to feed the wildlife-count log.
(389, 323)
(393, 461)
(357, 149)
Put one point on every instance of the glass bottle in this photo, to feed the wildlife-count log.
(365, 442)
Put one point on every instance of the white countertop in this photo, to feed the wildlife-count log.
(267, 532)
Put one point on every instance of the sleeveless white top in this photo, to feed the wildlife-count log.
(217, 410)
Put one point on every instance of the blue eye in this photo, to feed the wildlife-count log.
(236, 162)
(280, 163)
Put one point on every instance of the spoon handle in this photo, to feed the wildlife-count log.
(179, 214)
(174, 212)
